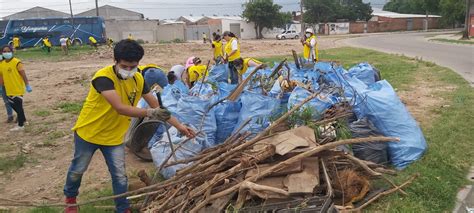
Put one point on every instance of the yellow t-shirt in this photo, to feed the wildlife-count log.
(46, 42)
(16, 42)
(92, 40)
(245, 64)
(12, 80)
(99, 123)
(228, 50)
(217, 49)
(196, 72)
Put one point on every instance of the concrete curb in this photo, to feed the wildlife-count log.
(465, 197)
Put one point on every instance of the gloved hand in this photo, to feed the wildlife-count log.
(28, 88)
(159, 114)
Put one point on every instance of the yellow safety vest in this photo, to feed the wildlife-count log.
(196, 72)
(16, 42)
(92, 40)
(228, 50)
(99, 123)
(245, 65)
(12, 80)
(307, 49)
(46, 42)
(217, 49)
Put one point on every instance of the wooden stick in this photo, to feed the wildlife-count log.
(237, 91)
(290, 161)
(361, 164)
(248, 143)
(409, 181)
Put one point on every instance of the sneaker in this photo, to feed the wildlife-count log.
(17, 128)
(71, 209)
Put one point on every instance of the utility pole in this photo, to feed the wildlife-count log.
(465, 34)
(302, 22)
(97, 7)
(72, 16)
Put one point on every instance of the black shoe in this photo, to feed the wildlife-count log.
(9, 119)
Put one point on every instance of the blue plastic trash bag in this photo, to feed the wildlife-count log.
(205, 90)
(318, 105)
(160, 150)
(154, 75)
(323, 66)
(365, 72)
(334, 77)
(385, 110)
(227, 113)
(259, 109)
(171, 95)
(191, 109)
(219, 73)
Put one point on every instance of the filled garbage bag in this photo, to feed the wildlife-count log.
(373, 151)
(191, 109)
(202, 89)
(160, 150)
(365, 72)
(317, 105)
(219, 73)
(259, 109)
(171, 95)
(385, 110)
(227, 112)
(323, 66)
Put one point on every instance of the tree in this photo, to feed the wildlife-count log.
(265, 14)
(321, 11)
(452, 12)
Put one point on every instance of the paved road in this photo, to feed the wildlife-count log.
(459, 58)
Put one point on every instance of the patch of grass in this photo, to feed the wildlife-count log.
(42, 113)
(56, 54)
(454, 41)
(444, 166)
(70, 107)
(8, 163)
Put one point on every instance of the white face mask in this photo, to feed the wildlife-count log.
(125, 74)
(308, 35)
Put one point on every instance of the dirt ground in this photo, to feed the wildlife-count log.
(43, 176)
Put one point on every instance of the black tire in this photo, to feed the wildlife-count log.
(76, 42)
(297, 37)
(140, 137)
(283, 38)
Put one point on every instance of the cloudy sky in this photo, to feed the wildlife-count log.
(153, 9)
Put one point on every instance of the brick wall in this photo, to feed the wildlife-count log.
(385, 24)
(356, 27)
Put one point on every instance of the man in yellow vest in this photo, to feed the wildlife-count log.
(232, 52)
(105, 117)
(16, 42)
(196, 71)
(242, 65)
(310, 46)
(46, 44)
(217, 46)
(93, 42)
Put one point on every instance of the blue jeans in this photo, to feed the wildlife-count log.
(234, 74)
(8, 107)
(115, 160)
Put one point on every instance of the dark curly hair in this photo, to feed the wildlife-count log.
(128, 50)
